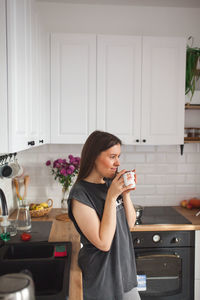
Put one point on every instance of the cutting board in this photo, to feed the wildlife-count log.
(39, 233)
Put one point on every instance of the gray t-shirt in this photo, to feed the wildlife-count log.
(106, 275)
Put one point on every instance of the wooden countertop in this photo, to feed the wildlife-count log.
(187, 213)
(65, 231)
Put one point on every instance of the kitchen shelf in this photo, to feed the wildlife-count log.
(186, 141)
(192, 106)
(191, 140)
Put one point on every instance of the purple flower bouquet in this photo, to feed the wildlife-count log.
(64, 170)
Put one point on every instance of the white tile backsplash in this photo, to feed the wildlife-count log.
(164, 176)
(156, 157)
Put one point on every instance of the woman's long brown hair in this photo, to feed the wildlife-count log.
(97, 142)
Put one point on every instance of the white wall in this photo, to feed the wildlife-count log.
(116, 19)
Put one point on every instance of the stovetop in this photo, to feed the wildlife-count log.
(161, 215)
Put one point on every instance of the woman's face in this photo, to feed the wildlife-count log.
(107, 162)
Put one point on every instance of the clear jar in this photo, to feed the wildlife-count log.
(191, 132)
(23, 220)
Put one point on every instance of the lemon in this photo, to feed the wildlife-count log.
(39, 207)
(44, 204)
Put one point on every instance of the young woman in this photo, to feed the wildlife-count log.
(101, 210)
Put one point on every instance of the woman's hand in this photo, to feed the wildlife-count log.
(117, 186)
(131, 189)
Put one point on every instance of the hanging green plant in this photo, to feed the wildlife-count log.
(192, 72)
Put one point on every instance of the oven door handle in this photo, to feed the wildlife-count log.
(175, 255)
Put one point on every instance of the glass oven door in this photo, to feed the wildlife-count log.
(166, 273)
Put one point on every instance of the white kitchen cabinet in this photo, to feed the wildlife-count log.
(22, 63)
(73, 87)
(39, 125)
(163, 90)
(119, 64)
(197, 265)
(19, 72)
(3, 80)
(139, 92)
(44, 88)
(141, 83)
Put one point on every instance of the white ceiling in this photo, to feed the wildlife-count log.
(163, 3)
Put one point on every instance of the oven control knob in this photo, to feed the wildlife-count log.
(156, 238)
(137, 241)
(175, 240)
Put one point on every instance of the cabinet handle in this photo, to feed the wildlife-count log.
(144, 141)
(137, 141)
(31, 143)
(41, 141)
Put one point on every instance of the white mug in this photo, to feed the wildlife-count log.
(130, 178)
(17, 170)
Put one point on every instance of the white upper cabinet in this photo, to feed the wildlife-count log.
(73, 87)
(163, 90)
(119, 64)
(25, 99)
(39, 125)
(3, 80)
(19, 83)
(141, 84)
(139, 92)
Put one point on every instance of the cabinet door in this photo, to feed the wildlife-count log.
(73, 87)
(44, 114)
(3, 80)
(35, 78)
(163, 88)
(39, 108)
(119, 86)
(29, 106)
(18, 39)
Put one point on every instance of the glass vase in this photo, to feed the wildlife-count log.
(64, 205)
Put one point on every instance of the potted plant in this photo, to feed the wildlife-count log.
(192, 70)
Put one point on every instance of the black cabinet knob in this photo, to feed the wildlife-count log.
(144, 141)
(175, 240)
(41, 141)
(31, 143)
(137, 241)
(137, 141)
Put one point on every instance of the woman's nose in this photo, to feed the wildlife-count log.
(117, 162)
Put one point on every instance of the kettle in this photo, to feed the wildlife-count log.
(17, 286)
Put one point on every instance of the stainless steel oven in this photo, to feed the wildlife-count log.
(165, 262)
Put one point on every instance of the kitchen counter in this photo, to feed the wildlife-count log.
(65, 231)
(187, 213)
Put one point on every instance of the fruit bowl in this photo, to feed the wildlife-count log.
(40, 209)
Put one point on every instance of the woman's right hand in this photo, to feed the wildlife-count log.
(117, 186)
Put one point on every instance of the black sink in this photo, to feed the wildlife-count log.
(50, 273)
(21, 251)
